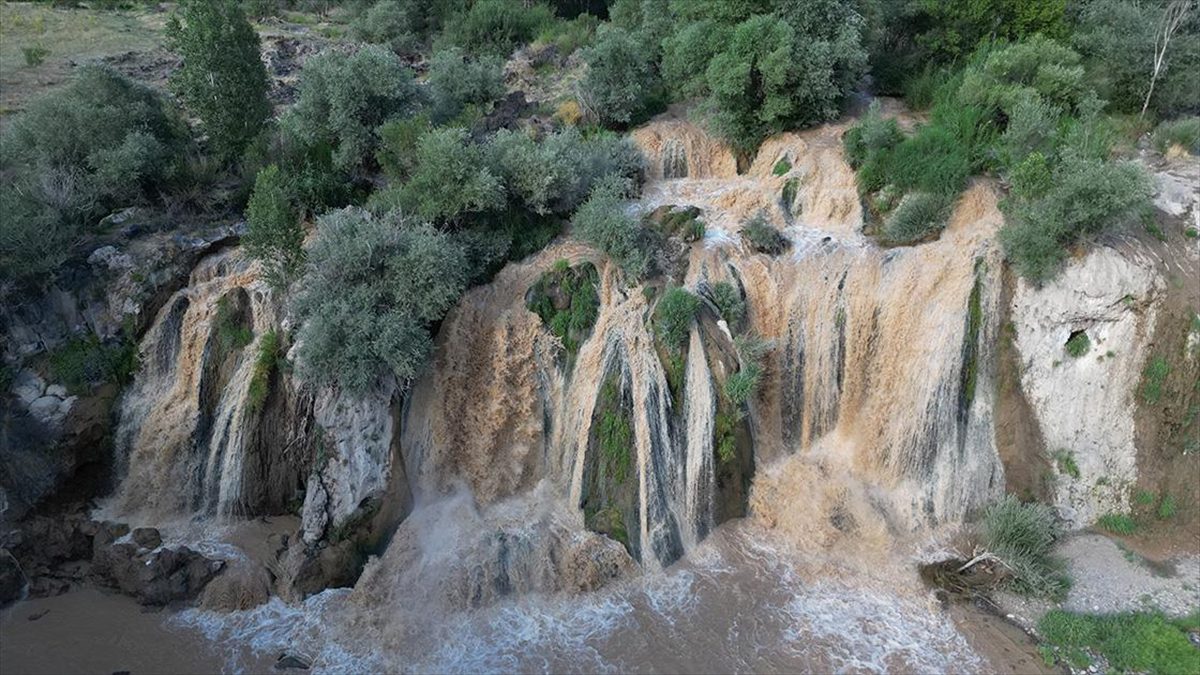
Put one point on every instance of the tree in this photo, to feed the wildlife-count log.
(1173, 17)
(456, 82)
(345, 98)
(602, 221)
(222, 79)
(451, 179)
(372, 289)
(621, 80)
(274, 235)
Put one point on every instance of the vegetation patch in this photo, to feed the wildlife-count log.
(673, 316)
(762, 237)
(1130, 642)
(971, 341)
(1153, 379)
(1065, 461)
(1022, 536)
(86, 361)
(729, 303)
(781, 167)
(1078, 344)
(671, 221)
(616, 434)
(1117, 523)
(1182, 133)
(264, 367)
(568, 301)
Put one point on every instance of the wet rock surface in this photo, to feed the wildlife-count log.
(12, 579)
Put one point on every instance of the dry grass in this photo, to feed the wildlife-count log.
(72, 36)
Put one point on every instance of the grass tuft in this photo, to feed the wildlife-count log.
(1142, 642)
(1023, 536)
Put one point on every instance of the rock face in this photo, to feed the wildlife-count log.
(12, 579)
(158, 577)
(1084, 404)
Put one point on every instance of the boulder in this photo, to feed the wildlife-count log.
(147, 537)
(157, 577)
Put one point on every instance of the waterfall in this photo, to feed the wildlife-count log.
(185, 423)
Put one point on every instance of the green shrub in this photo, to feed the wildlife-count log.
(35, 55)
(86, 361)
(616, 434)
(398, 143)
(1117, 523)
(932, 160)
(1078, 344)
(373, 287)
(691, 45)
(781, 167)
(729, 302)
(447, 157)
(264, 366)
(231, 332)
(1153, 379)
(1167, 508)
(620, 84)
(273, 232)
(222, 80)
(1065, 461)
(456, 82)
(673, 316)
(1182, 132)
(578, 289)
(1023, 536)
(919, 215)
(1037, 68)
(740, 386)
(395, 24)
(495, 27)
(344, 98)
(97, 143)
(569, 36)
(602, 222)
(871, 136)
(725, 435)
(555, 173)
(1130, 642)
(762, 237)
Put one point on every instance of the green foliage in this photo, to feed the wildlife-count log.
(398, 143)
(567, 301)
(932, 160)
(264, 366)
(1167, 508)
(729, 302)
(1023, 536)
(345, 98)
(621, 82)
(1084, 197)
(740, 386)
(1117, 523)
(1117, 40)
(456, 82)
(554, 174)
(1130, 642)
(673, 317)
(868, 142)
(694, 43)
(602, 222)
(86, 361)
(1184, 133)
(919, 216)
(273, 234)
(725, 435)
(447, 157)
(495, 27)
(1037, 68)
(222, 80)
(373, 288)
(569, 36)
(399, 25)
(1065, 461)
(231, 332)
(781, 167)
(99, 142)
(35, 55)
(1078, 344)
(1153, 379)
(616, 433)
(778, 72)
(762, 237)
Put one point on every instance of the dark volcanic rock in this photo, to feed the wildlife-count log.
(147, 537)
(158, 577)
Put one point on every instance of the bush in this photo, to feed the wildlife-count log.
(273, 235)
(1037, 68)
(456, 82)
(932, 160)
(86, 361)
(446, 158)
(578, 288)
(222, 80)
(1184, 133)
(729, 303)
(35, 55)
(1153, 379)
(621, 82)
(395, 24)
(1078, 344)
(398, 143)
(1023, 536)
(572, 35)
(1130, 642)
(345, 98)
(693, 45)
(264, 365)
(673, 317)
(740, 386)
(555, 174)
(372, 289)
(602, 222)
(762, 237)
(496, 27)
(97, 143)
(920, 215)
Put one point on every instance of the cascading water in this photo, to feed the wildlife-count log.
(873, 419)
(184, 427)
